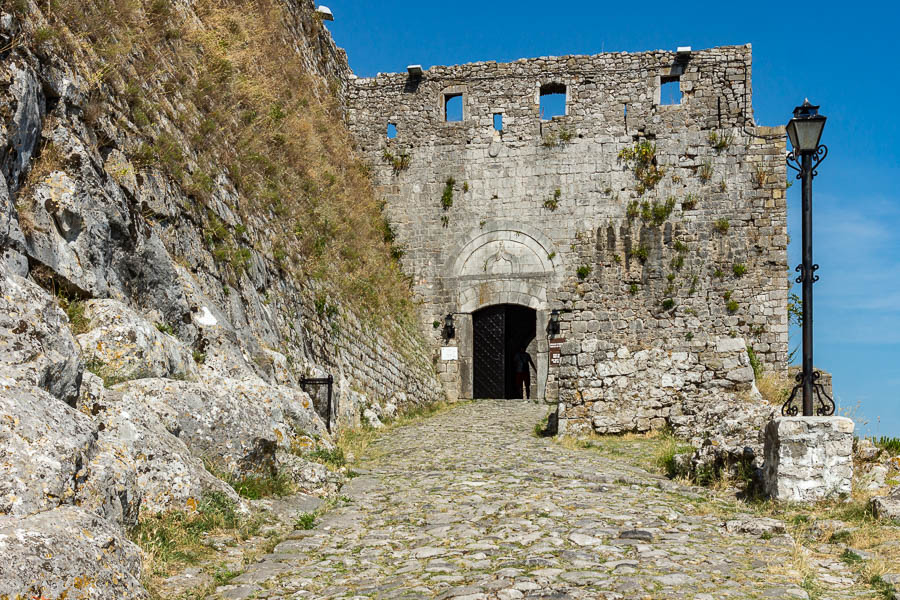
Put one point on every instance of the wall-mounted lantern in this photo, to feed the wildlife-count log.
(449, 330)
(553, 324)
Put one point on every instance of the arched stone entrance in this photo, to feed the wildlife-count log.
(502, 263)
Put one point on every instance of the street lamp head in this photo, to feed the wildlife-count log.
(805, 129)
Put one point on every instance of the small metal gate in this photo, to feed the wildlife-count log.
(320, 390)
(489, 352)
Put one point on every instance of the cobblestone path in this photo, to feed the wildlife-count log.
(471, 505)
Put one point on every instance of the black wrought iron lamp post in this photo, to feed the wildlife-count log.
(805, 132)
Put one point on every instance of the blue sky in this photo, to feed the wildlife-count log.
(840, 56)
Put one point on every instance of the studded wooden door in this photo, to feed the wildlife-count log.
(489, 353)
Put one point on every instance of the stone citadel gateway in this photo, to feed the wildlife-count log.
(650, 222)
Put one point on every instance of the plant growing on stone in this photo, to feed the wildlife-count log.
(761, 174)
(642, 253)
(642, 160)
(689, 202)
(718, 273)
(678, 262)
(633, 289)
(755, 363)
(722, 225)
(732, 306)
(447, 195)
(550, 140)
(739, 269)
(445, 221)
(565, 135)
(305, 521)
(465, 187)
(795, 309)
(583, 271)
(668, 304)
(398, 163)
(633, 209)
(74, 310)
(705, 172)
(262, 485)
(617, 258)
(165, 328)
(723, 186)
(552, 202)
(720, 142)
(656, 213)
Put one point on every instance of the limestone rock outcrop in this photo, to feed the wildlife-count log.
(236, 424)
(888, 507)
(36, 347)
(45, 446)
(67, 553)
(125, 345)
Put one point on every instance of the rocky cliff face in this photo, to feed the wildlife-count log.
(184, 235)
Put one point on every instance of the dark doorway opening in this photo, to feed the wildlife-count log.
(498, 333)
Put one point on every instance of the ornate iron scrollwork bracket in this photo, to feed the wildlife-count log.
(802, 275)
(825, 407)
(794, 161)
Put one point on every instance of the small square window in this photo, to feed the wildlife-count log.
(553, 101)
(453, 108)
(391, 131)
(669, 91)
(498, 121)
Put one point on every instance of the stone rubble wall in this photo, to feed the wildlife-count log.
(651, 389)
(714, 268)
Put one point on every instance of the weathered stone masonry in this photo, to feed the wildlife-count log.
(662, 283)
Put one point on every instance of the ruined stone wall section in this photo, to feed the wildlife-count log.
(712, 268)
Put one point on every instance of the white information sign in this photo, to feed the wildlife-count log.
(449, 353)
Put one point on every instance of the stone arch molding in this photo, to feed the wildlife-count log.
(502, 263)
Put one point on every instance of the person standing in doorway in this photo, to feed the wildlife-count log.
(523, 364)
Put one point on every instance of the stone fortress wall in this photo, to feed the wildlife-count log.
(665, 270)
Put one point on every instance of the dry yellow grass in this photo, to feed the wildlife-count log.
(775, 387)
(221, 90)
(48, 159)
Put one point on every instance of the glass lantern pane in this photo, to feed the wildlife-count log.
(808, 133)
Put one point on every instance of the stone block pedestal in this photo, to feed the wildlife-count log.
(808, 458)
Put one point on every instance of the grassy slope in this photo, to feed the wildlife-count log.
(219, 90)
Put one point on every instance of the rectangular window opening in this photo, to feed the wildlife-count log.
(391, 131)
(553, 101)
(669, 91)
(453, 108)
(498, 121)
